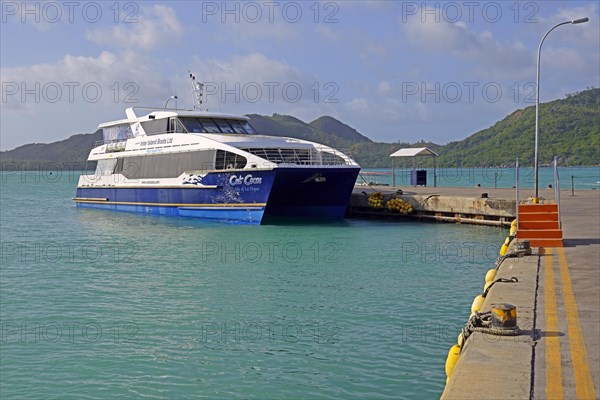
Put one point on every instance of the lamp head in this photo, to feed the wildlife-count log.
(580, 20)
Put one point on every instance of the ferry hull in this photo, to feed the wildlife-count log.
(238, 197)
(320, 193)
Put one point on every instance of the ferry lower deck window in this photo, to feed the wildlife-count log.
(227, 160)
(169, 165)
(105, 167)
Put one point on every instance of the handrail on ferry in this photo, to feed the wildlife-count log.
(156, 109)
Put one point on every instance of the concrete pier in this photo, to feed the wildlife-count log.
(479, 206)
(557, 352)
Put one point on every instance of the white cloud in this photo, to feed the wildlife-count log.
(156, 26)
(563, 58)
(253, 83)
(250, 68)
(76, 93)
(481, 51)
(109, 72)
(253, 34)
(43, 16)
(358, 104)
(587, 32)
(383, 87)
(571, 53)
(328, 33)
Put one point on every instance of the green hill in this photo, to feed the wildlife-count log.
(325, 130)
(569, 129)
(68, 153)
(334, 127)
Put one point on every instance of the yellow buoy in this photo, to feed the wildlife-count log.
(503, 250)
(477, 303)
(453, 355)
(513, 230)
(487, 285)
(513, 223)
(491, 275)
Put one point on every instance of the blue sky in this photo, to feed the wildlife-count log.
(395, 71)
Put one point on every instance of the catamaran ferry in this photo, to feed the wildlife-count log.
(211, 165)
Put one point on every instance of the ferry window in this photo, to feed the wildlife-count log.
(179, 128)
(193, 125)
(155, 126)
(209, 125)
(227, 160)
(248, 128)
(237, 126)
(224, 126)
(175, 126)
(105, 167)
(169, 165)
(116, 133)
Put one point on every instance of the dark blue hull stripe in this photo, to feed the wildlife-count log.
(243, 215)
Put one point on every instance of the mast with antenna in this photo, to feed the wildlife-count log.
(197, 92)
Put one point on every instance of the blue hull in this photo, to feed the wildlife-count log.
(321, 193)
(240, 197)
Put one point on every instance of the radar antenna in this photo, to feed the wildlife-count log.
(197, 92)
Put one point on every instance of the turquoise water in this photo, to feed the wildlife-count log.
(98, 304)
(578, 178)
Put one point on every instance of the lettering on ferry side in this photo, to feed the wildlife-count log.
(154, 142)
(247, 180)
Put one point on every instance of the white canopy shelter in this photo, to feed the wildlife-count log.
(413, 152)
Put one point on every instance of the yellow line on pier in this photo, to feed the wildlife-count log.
(554, 385)
(584, 385)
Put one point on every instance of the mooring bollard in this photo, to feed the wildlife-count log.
(504, 316)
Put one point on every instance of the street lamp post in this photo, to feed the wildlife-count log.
(537, 101)
(170, 98)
